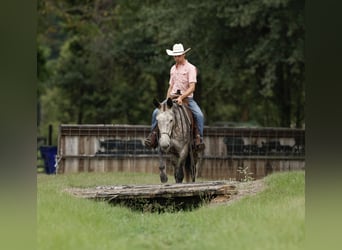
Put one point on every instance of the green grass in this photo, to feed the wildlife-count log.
(272, 219)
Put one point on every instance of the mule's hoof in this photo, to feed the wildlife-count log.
(163, 178)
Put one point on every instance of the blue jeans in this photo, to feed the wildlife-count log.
(196, 111)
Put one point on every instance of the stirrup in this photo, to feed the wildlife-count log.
(200, 147)
(199, 144)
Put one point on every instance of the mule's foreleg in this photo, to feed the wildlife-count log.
(162, 174)
(162, 168)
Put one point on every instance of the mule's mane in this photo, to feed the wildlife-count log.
(164, 107)
(174, 109)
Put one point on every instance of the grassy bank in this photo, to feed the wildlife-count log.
(273, 219)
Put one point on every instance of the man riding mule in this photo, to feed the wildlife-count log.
(182, 83)
(175, 129)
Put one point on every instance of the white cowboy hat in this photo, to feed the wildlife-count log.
(177, 50)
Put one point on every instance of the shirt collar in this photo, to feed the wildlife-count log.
(185, 62)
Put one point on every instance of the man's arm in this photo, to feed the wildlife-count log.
(168, 95)
(190, 90)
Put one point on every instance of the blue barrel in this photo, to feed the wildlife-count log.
(48, 154)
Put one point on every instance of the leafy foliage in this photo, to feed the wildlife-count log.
(108, 57)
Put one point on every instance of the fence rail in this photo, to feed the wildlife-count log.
(110, 147)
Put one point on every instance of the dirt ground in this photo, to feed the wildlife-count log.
(243, 189)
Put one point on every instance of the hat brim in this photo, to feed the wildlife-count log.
(171, 53)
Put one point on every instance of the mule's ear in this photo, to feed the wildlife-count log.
(169, 102)
(156, 103)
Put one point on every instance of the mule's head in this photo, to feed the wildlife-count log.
(165, 118)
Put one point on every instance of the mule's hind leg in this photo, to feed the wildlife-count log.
(178, 170)
(194, 166)
(186, 170)
(179, 175)
(189, 169)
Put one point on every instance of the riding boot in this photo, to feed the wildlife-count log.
(199, 144)
(151, 141)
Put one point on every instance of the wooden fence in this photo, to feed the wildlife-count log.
(230, 153)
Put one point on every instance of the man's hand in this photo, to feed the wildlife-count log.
(179, 100)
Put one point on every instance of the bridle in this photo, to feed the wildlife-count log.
(165, 133)
(169, 133)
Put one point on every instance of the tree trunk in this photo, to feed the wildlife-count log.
(283, 96)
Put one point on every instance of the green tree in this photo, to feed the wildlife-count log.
(110, 58)
(249, 53)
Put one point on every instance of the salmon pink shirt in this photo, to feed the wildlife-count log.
(181, 76)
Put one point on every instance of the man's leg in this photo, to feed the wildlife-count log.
(154, 119)
(151, 141)
(198, 115)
